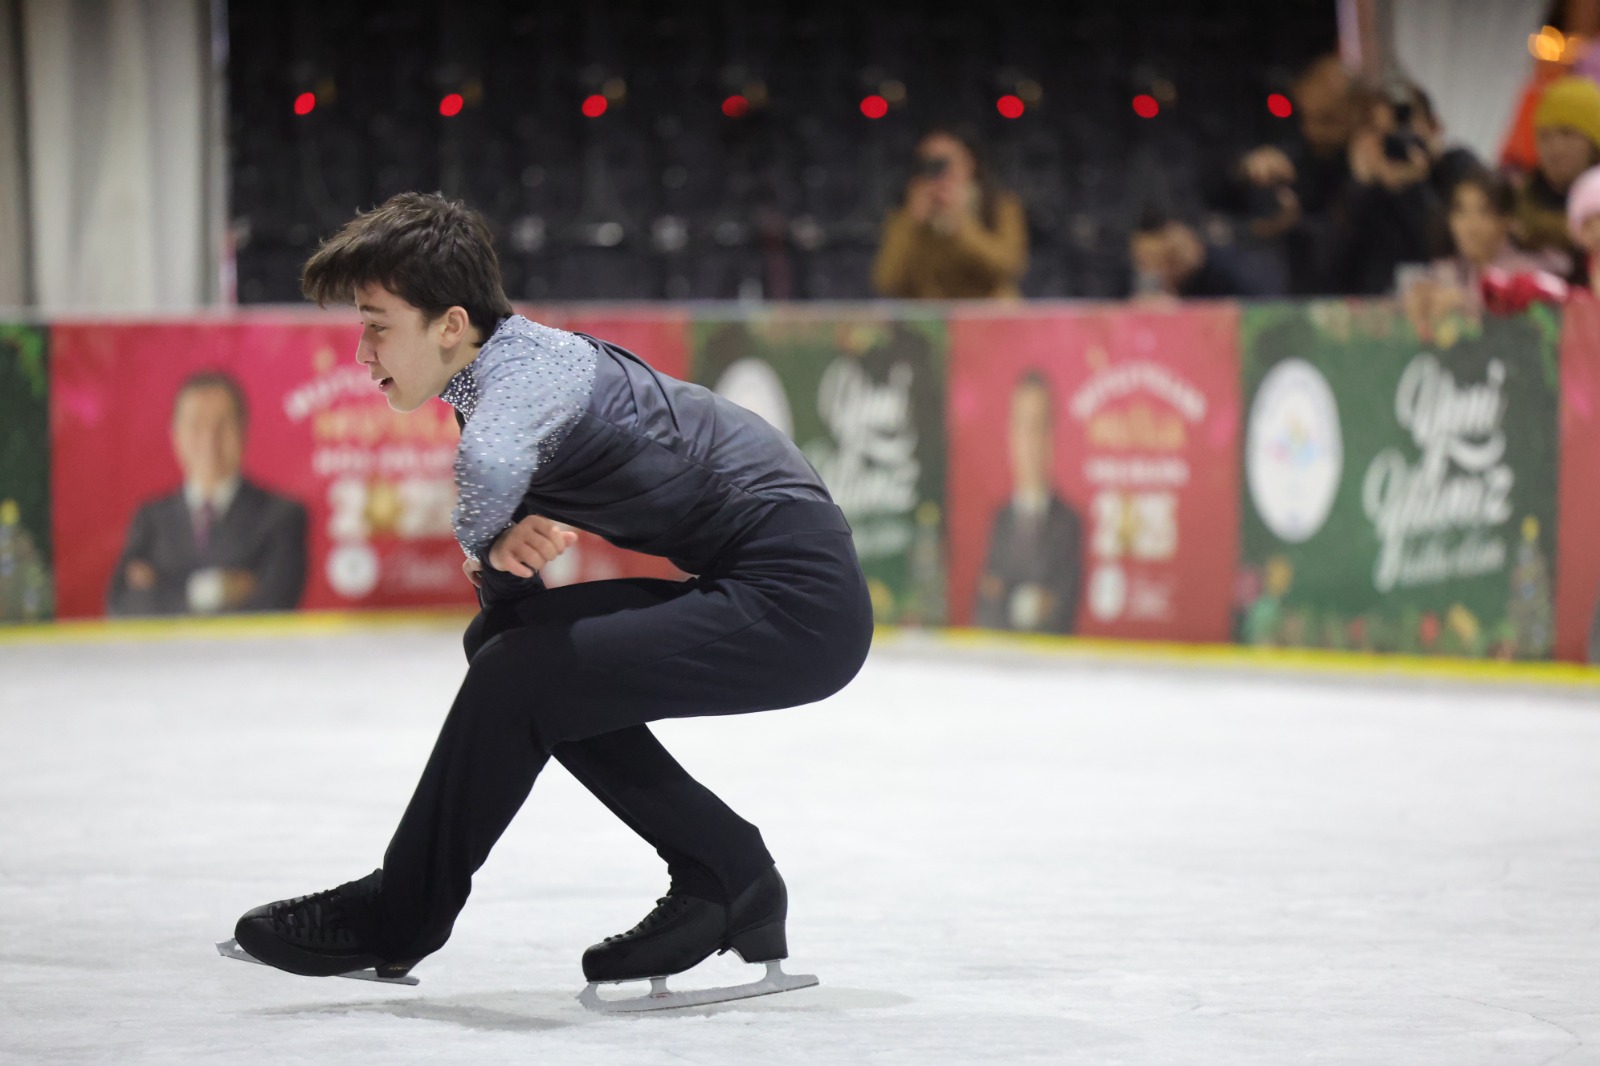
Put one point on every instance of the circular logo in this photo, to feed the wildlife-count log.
(754, 385)
(353, 569)
(1294, 452)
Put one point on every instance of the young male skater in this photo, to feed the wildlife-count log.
(562, 428)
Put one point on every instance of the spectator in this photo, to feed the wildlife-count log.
(1171, 260)
(1286, 191)
(220, 542)
(1482, 211)
(1349, 197)
(957, 235)
(1389, 214)
(1567, 139)
(1583, 224)
(1448, 164)
(1482, 214)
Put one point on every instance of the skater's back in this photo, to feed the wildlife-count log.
(584, 432)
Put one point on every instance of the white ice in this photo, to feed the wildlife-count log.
(989, 861)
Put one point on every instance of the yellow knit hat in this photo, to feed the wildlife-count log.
(1573, 102)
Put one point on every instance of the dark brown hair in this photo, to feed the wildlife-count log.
(1496, 189)
(982, 173)
(214, 379)
(431, 252)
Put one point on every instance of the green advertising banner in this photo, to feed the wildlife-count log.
(1400, 494)
(27, 593)
(864, 399)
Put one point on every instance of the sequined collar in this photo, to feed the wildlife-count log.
(462, 391)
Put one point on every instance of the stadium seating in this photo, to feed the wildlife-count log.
(663, 196)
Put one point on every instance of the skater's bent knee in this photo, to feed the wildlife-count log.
(524, 657)
(476, 636)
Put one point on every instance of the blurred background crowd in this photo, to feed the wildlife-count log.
(632, 150)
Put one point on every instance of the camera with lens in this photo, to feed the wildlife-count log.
(1398, 146)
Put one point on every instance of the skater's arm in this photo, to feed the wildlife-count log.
(528, 404)
(530, 545)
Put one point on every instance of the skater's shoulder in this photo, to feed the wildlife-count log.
(517, 337)
(525, 362)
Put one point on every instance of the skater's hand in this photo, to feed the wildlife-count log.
(474, 571)
(530, 545)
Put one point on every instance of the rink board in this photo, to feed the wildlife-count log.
(1259, 474)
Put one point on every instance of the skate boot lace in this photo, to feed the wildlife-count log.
(666, 907)
(321, 918)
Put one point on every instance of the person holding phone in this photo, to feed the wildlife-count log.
(957, 235)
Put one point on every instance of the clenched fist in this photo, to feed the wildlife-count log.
(529, 546)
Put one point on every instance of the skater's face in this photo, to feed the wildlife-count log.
(207, 436)
(409, 357)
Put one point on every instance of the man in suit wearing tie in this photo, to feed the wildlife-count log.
(1032, 575)
(220, 543)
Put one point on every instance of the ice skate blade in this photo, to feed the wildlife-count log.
(230, 949)
(662, 998)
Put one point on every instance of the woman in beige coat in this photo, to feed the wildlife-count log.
(957, 235)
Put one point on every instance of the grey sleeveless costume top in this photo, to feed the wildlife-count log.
(584, 432)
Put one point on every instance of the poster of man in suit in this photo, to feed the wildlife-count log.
(1094, 470)
(1032, 573)
(219, 542)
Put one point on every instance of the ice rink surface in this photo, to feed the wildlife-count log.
(989, 861)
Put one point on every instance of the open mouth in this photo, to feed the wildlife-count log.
(384, 383)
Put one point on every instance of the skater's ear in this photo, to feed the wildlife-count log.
(452, 327)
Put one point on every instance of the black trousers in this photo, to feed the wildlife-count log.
(576, 672)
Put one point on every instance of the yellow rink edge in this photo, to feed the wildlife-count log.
(1239, 657)
(234, 626)
(1085, 649)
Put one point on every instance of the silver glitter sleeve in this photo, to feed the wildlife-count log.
(530, 389)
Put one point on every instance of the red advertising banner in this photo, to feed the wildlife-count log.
(251, 464)
(1578, 504)
(1094, 472)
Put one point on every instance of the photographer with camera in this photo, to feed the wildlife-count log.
(1390, 214)
(957, 235)
(1348, 196)
(1284, 192)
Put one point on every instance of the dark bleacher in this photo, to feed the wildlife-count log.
(664, 197)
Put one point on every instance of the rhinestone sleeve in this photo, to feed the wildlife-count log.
(521, 397)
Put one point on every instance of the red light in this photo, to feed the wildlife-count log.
(874, 106)
(1145, 106)
(1010, 106)
(735, 106)
(1279, 105)
(451, 105)
(594, 106)
(305, 103)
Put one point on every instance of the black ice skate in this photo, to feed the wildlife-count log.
(316, 936)
(684, 931)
